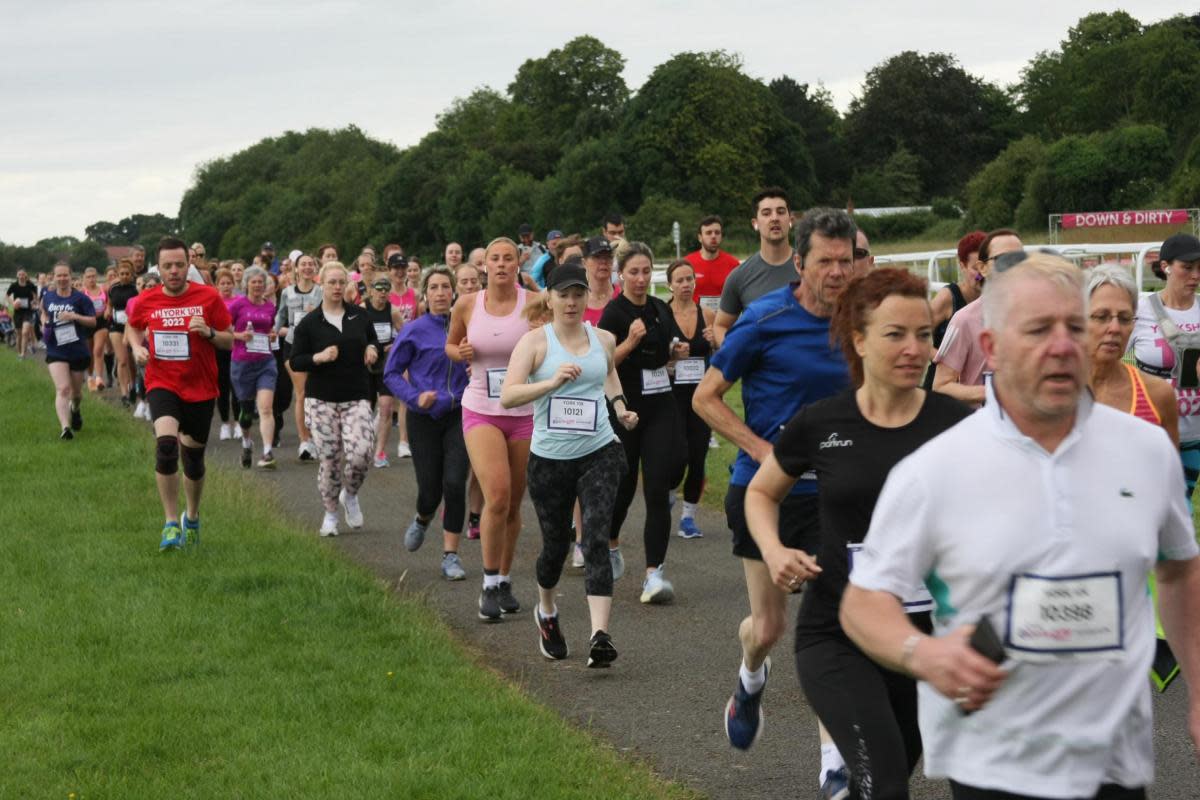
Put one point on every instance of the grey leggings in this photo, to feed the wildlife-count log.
(553, 487)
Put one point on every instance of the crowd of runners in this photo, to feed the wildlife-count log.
(983, 494)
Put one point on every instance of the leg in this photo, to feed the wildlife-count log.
(266, 418)
(77, 388)
(663, 459)
(383, 425)
(552, 487)
(428, 462)
(99, 342)
(518, 458)
(632, 442)
(166, 466)
(454, 480)
(358, 438)
(192, 455)
(117, 340)
(488, 451)
(297, 383)
(596, 489)
(327, 436)
(225, 398)
(768, 615)
(60, 373)
(698, 434)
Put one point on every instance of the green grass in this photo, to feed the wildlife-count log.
(258, 665)
(716, 468)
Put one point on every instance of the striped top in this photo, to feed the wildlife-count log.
(1142, 406)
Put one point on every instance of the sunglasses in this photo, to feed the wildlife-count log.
(861, 253)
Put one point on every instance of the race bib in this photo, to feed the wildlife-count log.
(920, 600)
(259, 343)
(1068, 616)
(573, 415)
(171, 346)
(712, 304)
(275, 344)
(64, 333)
(495, 381)
(655, 381)
(20, 302)
(299, 315)
(689, 370)
(120, 317)
(383, 332)
(1188, 378)
(98, 305)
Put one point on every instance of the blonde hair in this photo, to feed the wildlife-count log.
(331, 265)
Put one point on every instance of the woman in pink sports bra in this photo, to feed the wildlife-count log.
(484, 329)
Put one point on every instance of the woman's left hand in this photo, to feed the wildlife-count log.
(628, 419)
(370, 355)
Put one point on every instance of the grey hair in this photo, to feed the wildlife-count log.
(252, 272)
(1040, 266)
(437, 269)
(832, 223)
(1110, 274)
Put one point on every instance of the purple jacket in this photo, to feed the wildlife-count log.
(420, 350)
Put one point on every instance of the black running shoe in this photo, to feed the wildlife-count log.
(66, 434)
(76, 419)
(551, 642)
(508, 603)
(125, 401)
(489, 604)
(247, 457)
(602, 653)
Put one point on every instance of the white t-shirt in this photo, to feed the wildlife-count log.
(1150, 349)
(1098, 512)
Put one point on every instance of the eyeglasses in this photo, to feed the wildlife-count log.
(1105, 317)
(860, 253)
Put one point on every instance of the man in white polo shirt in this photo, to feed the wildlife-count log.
(1069, 506)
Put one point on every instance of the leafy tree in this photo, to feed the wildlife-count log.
(896, 183)
(813, 111)
(582, 77)
(88, 254)
(652, 224)
(996, 190)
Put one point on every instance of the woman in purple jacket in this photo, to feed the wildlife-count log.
(432, 392)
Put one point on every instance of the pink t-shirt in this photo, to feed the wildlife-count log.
(960, 350)
(407, 303)
(493, 339)
(260, 318)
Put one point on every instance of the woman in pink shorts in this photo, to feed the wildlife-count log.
(484, 329)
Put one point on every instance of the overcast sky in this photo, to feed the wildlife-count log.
(108, 107)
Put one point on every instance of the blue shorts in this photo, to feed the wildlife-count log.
(249, 377)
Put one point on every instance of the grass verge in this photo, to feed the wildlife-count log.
(259, 664)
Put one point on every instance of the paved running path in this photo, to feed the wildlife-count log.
(662, 701)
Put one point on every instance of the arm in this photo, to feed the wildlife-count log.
(281, 314)
(457, 346)
(721, 325)
(525, 356)
(709, 403)
(613, 392)
(1179, 609)
(942, 306)
(136, 339)
(770, 485)
(302, 359)
(398, 362)
(945, 380)
(1162, 395)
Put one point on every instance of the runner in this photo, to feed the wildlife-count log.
(567, 370)
(67, 315)
(253, 370)
(953, 297)
(484, 329)
(1165, 337)
(24, 296)
(406, 298)
(423, 377)
(771, 268)
(386, 319)
(644, 330)
(710, 264)
(1034, 684)
(97, 336)
(226, 402)
(851, 441)
(295, 302)
(333, 345)
(119, 295)
(598, 261)
(466, 279)
(183, 321)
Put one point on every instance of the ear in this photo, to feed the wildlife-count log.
(860, 343)
(796, 260)
(987, 343)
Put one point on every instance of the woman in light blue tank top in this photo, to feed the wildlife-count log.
(566, 370)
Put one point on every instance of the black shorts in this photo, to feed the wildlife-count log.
(101, 323)
(799, 525)
(76, 364)
(195, 419)
(378, 387)
(22, 316)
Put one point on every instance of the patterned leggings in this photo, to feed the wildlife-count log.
(344, 434)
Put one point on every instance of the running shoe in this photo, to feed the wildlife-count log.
(66, 434)
(381, 460)
(139, 412)
(551, 641)
(307, 452)
(403, 450)
(836, 785)
(125, 401)
(172, 537)
(688, 529)
(191, 530)
(329, 524)
(226, 434)
(473, 530)
(656, 589)
(414, 537)
(247, 457)
(350, 507)
(618, 563)
(489, 604)
(508, 603)
(267, 461)
(743, 715)
(713, 444)
(577, 557)
(602, 652)
(452, 568)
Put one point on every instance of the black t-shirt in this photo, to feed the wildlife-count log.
(119, 295)
(852, 458)
(27, 292)
(651, 353)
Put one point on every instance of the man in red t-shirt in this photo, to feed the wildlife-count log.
(711, 264)
(173, 330)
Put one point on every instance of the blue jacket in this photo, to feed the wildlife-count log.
(420, 350)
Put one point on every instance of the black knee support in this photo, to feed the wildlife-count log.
(193, 462)
(166, 455)
(246, 414)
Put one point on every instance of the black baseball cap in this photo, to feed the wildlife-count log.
(268, 246)
(397, 261)
(596, 245)
(525, 228)
(1180, 247)
(571, 273)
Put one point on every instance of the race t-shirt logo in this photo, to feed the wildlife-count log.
(834, 441)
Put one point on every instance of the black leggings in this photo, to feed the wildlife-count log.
(440, 462)
(657, 445)
(1109, 791)
(697, 434)
(870, 712)
(553, 486)
(225, 398)
(283, 386)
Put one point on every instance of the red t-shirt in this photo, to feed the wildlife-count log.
(711, 275)
(181, 362)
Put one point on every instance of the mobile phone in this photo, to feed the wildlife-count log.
(986, 641)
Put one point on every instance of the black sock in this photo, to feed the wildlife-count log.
(473, 519)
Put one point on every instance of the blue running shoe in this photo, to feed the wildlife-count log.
(688, 529)
(172, 537)
(836, 785)
(191, 530)
(743, 715)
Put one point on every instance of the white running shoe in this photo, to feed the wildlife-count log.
(307, 451)
(354, 516)
(403, 450)
(577, 557)
(656, 588)
(329, 525)
(226, 434)
(141, 412)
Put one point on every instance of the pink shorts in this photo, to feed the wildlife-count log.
(515, 429)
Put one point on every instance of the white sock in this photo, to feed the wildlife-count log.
(490, 581)
(331, 516)
(753, 682)
(831, 761)
(247, 441)
(689, 510)
(266, 451)
(504, 579)
(545, 614)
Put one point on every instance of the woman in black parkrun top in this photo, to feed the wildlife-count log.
(852, 440)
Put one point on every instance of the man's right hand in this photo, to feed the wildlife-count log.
(956, 670)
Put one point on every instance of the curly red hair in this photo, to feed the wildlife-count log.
(861, 297)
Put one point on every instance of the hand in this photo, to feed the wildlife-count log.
(789, 568)
(66, 316)
(370, 355)
(637, 331)
(327, 355)
(426, 399)
(465, 351)
(681, 350)
(243, 336)
(709, 336)
(197, 325)
(272, 336)
(283, 332)
(628, 419)
(951, 665)
(565, 373)
(140, 354)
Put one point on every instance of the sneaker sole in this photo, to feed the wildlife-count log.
(603, 659)
(659, 598)
(462, 577)
(486, 618)
(762, 723)
(683, 535)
